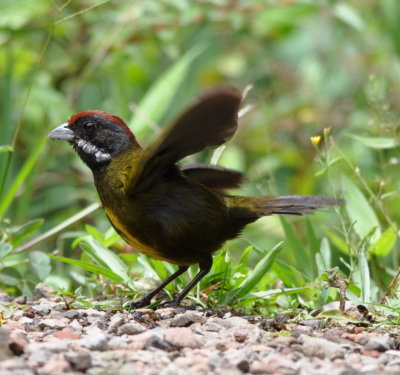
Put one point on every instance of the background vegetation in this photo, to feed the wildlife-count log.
(318, 68)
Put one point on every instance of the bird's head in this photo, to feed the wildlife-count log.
(96, 136)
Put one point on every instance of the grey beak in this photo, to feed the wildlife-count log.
(61, 133)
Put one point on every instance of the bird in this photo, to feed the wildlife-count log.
(179, 213)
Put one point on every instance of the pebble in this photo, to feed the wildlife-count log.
(5, 351)
(131, 329)
(319, 347)
(95, 341)
(43, 338)
(181, 338)
(381, 344)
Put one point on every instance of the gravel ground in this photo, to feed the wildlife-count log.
(42, 337)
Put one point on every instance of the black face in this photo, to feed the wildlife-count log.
(96, 136)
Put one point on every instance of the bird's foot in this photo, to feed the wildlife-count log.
(176, 305)
(144, 302)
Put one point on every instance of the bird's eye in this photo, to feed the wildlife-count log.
(89, 126)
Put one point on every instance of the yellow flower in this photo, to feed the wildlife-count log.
(315, 140)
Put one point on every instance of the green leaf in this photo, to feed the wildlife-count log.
(21, 232)
(256, 275)
(89, 267)
(6, 149)
(280, 292)
(349, 15)
(5, 249)
(59, 282)
(338, 241)
(360, 211)
(326, 253)
(159, 97)
(384, 244)
(376, 142)
(60, 227)
(365, 277)
(105, 258)
(298, 250)
(10, 276)
(94, 232)
(40, 264)
(21, 178)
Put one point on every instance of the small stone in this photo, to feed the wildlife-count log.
(116, 321)
(381, 344)
(17, 342)
(240, 336)
(67, 334)
(52, 324)
(187, 319)
(314, 324)
(318, 347)
(237, 321)
(299, 330)
(80, 360)
(220, 322)
(43, 291)
(211, 327)
(157, 342)
(371, 353)
(272, 364)
(40, 356)
(24, 321)
(243, 366)
(181, 338)
(131, 329)
(165, 313)
(71, 314)
(41, 310)
(118, 342)
(358, 330)
(21, 300)
(29, 312)
(56, 365)
(5, 351)
(97, 341)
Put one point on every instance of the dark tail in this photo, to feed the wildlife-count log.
(255, 207)
(296, 204)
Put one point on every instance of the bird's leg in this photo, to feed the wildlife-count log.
(205, 266)
(146, 300)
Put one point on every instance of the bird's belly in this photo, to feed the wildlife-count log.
(138, 245)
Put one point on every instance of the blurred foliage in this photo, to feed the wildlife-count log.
(319, 68)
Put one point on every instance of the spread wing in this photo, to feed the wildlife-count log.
(208, 122)
(213, 176)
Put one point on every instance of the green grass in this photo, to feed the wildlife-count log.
(328, 69)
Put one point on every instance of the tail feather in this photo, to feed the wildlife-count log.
(296, 204)
(255, 207)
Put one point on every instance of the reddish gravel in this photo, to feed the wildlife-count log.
(41, 337)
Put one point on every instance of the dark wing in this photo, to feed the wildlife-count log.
(213, 176)
(209, 122)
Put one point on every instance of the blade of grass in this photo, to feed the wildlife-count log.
(365, 277)
(89, 267)
(298, 250)
(6, 149)
(254, 277)
(360, 211)
(20, 120)
(105, 257)
(21, 178)
(59, 228)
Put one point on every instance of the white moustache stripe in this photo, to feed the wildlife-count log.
(90, 148)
